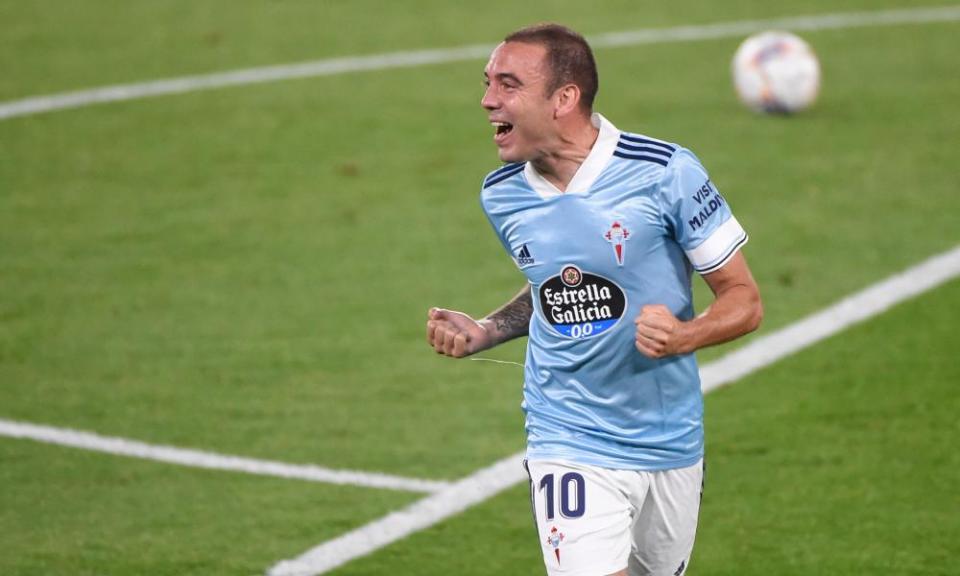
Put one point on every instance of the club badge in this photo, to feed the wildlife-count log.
(617, 235)
(554, 539)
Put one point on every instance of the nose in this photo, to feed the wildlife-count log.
(489, 100)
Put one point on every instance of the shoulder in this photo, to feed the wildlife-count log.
(683, 173)
(645, 149)
(503, 173)
(649, 161)
(671, 163)
(504, 190)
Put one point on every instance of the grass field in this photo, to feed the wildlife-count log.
(247, 271)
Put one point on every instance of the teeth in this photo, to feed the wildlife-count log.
(501, 127)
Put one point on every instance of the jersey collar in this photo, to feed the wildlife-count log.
(588, 172)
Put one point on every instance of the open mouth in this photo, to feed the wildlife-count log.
(501, 129)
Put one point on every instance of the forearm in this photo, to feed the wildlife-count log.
(511, 320)
(735, 312)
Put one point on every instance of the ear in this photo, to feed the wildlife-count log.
(567, 100)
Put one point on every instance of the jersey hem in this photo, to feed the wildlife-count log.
(612, 464)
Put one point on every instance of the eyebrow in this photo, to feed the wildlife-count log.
(504, 76)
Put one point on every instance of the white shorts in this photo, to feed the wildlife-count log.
(594, 521)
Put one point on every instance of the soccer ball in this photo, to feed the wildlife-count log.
(776, 72)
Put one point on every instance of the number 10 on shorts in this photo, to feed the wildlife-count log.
(570, 492)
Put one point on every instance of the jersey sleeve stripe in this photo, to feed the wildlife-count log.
(654, 159)
(726, 258)
(719, 247)
(502, 174)
(640, 140)
(505, 167)
(627, 147)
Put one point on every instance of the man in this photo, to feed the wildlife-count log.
(607, 227)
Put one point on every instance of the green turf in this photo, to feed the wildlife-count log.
(49, 46)
(838, 460)
(248, 270)
(64, 511)
(833, 194)
(269, 256)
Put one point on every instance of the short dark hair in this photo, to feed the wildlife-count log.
(569, 58)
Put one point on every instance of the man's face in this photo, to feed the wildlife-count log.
(517, 102)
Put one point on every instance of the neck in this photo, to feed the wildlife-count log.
(571, 147)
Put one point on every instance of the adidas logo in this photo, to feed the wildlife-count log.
(523, 256)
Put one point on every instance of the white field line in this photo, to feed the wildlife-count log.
(861, 306)
(762, 352)
(199, 459)
(332, 66)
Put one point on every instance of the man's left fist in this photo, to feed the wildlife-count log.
(659, 332)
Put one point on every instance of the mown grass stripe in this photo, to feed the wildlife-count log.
(333, 66)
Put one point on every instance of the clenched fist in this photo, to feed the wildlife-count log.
(659, 332)
(455, 334)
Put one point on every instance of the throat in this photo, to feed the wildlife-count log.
(557, 172)
(568, 154)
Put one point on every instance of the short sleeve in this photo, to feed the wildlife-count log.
(697, 215)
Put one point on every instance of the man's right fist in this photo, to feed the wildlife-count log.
(455, 334)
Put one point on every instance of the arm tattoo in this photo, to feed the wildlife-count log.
(513, 318)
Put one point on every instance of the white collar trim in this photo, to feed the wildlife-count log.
(588, 172)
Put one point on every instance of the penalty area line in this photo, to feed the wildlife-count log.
(210, 460)
(332, 66)
(760, 353)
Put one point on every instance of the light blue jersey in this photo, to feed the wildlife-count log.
(636, 219)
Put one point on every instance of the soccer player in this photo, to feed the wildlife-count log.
(607, 226)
